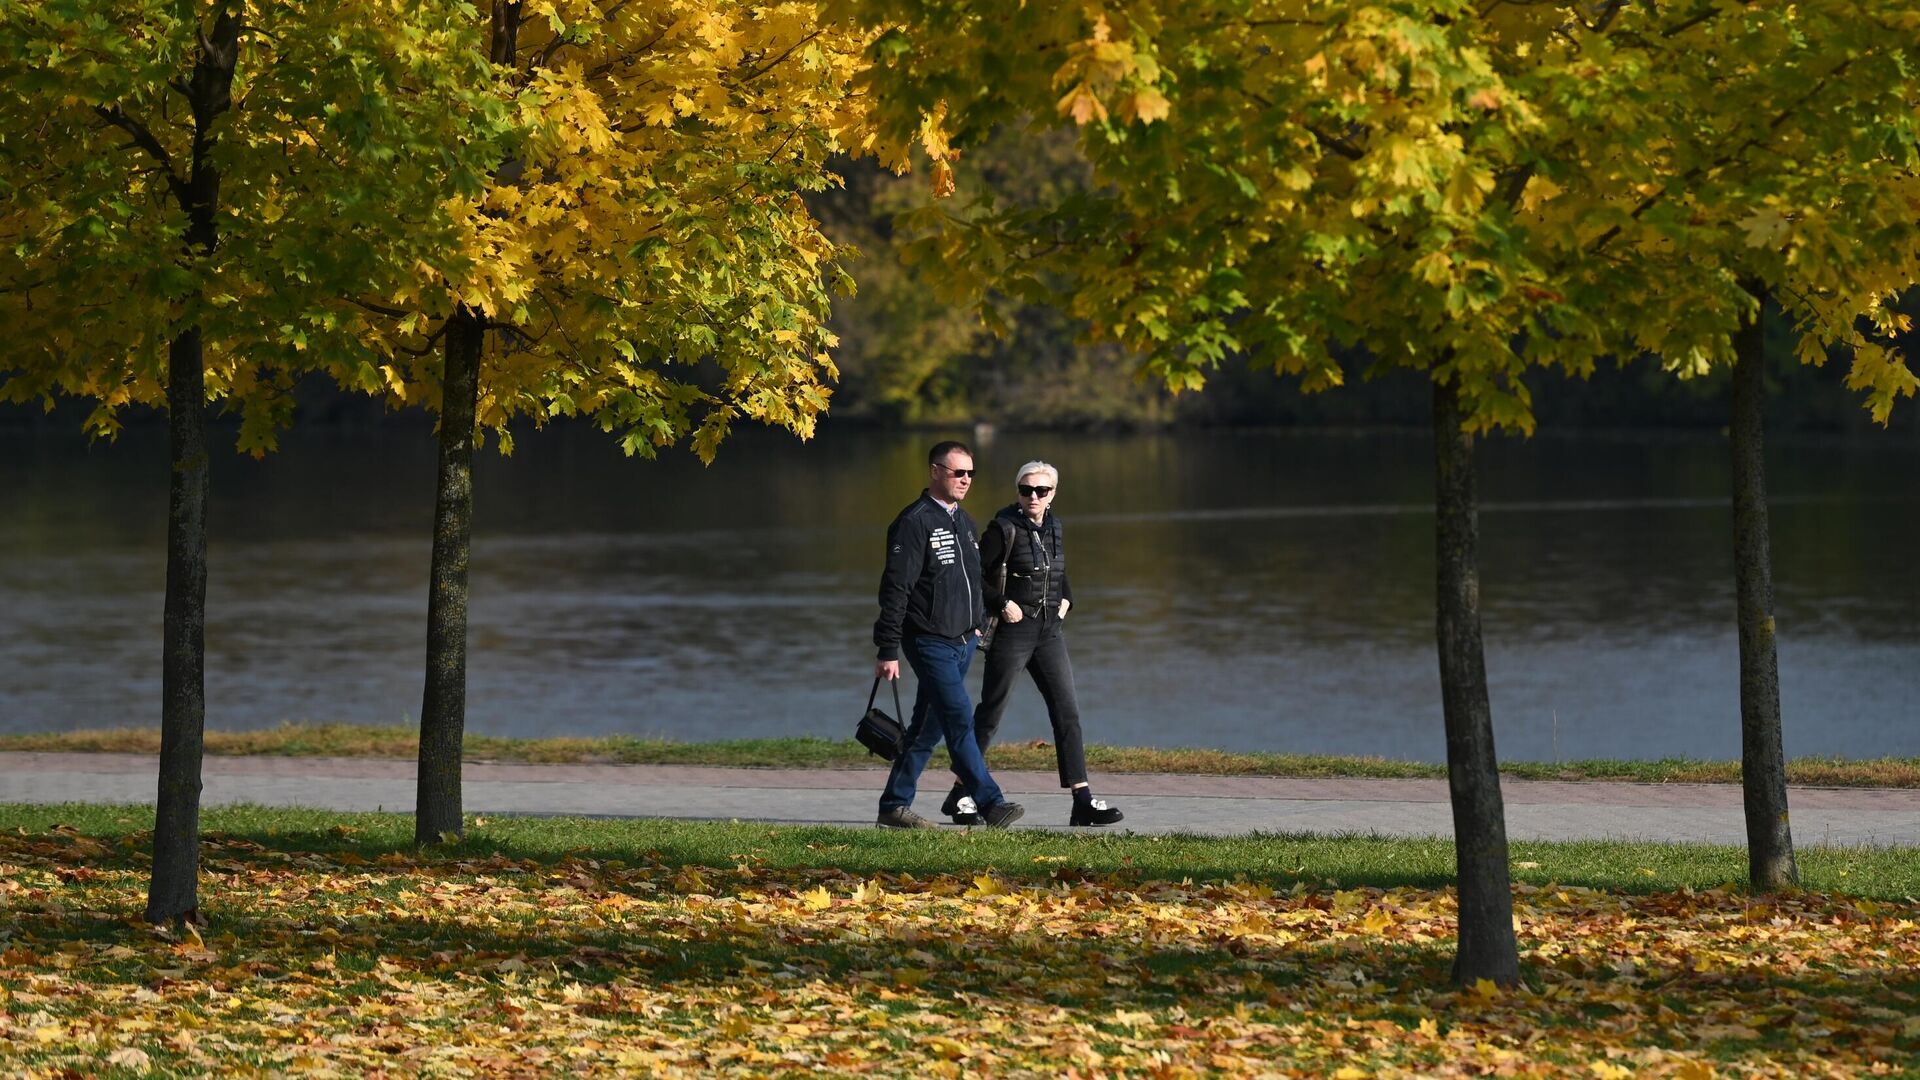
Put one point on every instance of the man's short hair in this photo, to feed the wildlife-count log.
(938, 455)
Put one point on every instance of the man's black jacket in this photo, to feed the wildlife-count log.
(932, 581)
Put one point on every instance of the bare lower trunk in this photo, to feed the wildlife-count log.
(443, 708)
(1763, 767)
(1487, 948)
(174, 892)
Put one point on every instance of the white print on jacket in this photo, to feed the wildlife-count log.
(944, 548)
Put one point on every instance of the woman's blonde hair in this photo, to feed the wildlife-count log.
(1032, 467)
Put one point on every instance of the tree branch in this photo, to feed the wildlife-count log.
(378, 309)
(426, 347)
(1609, 10)
(1516, 184)
(1336, 144)
(561, 41)
(1730, 156)
(144, 139)
(1706, 12)
(775, 62)
(1328, 141)
(628, 56)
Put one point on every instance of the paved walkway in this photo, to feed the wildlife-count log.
(1154, 803)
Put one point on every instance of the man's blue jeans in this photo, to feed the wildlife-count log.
(941, 707)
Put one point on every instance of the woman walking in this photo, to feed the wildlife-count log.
(1024, 563)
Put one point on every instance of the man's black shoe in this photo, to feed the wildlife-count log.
(1002, 814)
(960, 808)
(1093, 812)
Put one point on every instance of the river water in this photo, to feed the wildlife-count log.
(1241, 590)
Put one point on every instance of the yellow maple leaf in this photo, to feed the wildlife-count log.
(987, 885)
(947, 1048)
(817, 899)
(1539, 190)
(659, 113)
(1149, 105)
(1080, 104)
(1606, 1070)
(1765, 228)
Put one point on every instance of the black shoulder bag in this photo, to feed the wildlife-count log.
(879, 733)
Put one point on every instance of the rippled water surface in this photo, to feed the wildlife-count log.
(1237, 590)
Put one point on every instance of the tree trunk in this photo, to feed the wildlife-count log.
(1487, 948)
(443, 708)
(1763, 766)
(173, 892)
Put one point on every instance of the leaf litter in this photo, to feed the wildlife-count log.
(454, 965)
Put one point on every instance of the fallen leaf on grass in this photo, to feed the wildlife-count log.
(488, 965)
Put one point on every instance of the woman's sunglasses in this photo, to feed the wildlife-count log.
(1038, 491)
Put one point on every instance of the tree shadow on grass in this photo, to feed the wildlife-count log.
(947, 957)
(1280, 860)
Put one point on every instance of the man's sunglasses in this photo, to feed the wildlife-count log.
(954, 471)
(1038, 491)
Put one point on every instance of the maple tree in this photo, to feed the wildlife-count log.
(190, 192)
(642, 256)
(1783, 172)
(1282, 180)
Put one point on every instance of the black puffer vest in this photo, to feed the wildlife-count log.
(1036, 562)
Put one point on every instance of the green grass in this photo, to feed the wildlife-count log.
(598, 947)
(357, 740)
(1282, 860)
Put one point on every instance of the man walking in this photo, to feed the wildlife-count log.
(931, 609)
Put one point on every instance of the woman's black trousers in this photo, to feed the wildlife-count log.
(1036, 646)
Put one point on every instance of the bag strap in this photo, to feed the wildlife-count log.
(1006, 555)
(875, 692)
